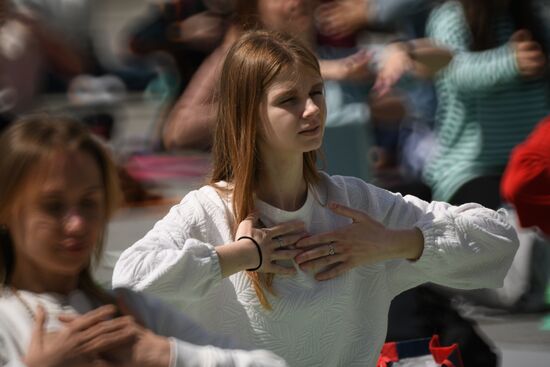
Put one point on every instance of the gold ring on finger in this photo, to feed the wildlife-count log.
(331, 250)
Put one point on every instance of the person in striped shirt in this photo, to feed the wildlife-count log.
(490, 96)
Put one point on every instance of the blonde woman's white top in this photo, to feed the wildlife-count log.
(190, 345)
(340, 322)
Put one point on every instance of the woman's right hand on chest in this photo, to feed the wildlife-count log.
(79, 343)
(273, 244)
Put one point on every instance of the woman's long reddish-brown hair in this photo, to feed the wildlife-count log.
(249, 69)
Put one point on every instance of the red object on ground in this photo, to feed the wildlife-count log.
(445, 356)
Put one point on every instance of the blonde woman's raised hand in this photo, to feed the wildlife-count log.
(274, 243)
(364, 241)
(77, 344)
(135, 346)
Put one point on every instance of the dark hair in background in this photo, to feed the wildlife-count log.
(246, 15)
(3, 10)
(480, 14)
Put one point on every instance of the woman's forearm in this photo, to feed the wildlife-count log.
(409, 243)
(237, 256)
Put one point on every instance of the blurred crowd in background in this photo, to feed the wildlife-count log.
(444, 136)
(171, 53)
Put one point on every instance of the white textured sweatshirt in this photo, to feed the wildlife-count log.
(190, 345)
(340, 322)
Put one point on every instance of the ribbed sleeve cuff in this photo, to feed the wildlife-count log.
(173, 352)
(510, 67)
(434, 234)
(215, 264)
(188, 355)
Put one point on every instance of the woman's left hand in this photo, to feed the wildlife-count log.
(362, 242)
(145, 348)
(396, 63)
(353, 68)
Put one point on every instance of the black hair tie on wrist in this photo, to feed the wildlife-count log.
(259, 250)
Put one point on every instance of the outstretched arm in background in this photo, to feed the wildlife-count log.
(190, 124)
(419, 57)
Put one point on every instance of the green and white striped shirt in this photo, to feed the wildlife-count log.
(485, 107)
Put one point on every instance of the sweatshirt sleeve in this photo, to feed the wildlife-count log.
(189, 355)
(172, 260)
(9, 355)
(469, 71)
(465, 246)
(190, 344)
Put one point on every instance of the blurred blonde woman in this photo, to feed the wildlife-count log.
(57, 191)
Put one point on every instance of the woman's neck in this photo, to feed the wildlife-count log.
(282, 183)
(43, 282)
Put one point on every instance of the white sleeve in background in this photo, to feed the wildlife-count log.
(166, 320)
(171, 260)
(9, 355)
(188, 355)
(190, 344)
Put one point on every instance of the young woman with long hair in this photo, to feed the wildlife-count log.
(271, 251)
(57, 191)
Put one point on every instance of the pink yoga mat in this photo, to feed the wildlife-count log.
(158, 167)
